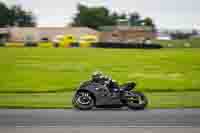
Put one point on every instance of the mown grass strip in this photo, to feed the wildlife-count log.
(63, 100)
(53, 70)
(69, 90)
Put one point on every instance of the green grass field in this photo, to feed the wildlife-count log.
(50, 69)
(63, 100)
(46, 77)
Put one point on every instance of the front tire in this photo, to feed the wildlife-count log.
(83, 101)
(138, 101)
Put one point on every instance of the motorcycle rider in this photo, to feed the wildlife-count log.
(105, 80)
(96, 76)
(102, 91)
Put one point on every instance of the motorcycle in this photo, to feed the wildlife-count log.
(103, 92)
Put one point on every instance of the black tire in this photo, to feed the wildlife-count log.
(141, 104)
(83, 105)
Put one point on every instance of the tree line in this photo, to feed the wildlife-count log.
(183, 35)
(95, 17)
(15, 16)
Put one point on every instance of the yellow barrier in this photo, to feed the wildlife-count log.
(64, 44)
(14, 45)
(65, 41)
(87, 40)
(45, 45)
(84, 44)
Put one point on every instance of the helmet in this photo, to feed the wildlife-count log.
(97, 75)
(106, 77)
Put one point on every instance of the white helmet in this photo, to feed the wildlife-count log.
(96, 75)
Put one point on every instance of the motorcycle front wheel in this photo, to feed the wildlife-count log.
(83, 101)
(137, 101)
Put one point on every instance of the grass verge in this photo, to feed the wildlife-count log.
(50, 70)
(63, 100)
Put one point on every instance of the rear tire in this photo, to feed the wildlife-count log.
(83, 101)
(138, 101)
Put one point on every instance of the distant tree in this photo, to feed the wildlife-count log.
(135, 19)
(21, 18)
(149, 22)
(180, 35)
(115, 16)
(4, 13)
(194, 32)
(93, 17)
(15, 16)
(122, 16)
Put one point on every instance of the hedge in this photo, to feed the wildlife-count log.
(2, 45)
(31, 44)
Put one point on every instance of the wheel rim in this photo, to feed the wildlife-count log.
(137, 100)
(84, 99)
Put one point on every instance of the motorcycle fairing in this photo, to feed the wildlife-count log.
(102, 95)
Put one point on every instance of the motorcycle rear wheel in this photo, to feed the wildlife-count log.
(138, 101)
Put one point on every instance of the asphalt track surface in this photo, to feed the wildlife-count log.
(100, 118)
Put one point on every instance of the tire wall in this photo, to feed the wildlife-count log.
(94, 45)
(126, 45)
